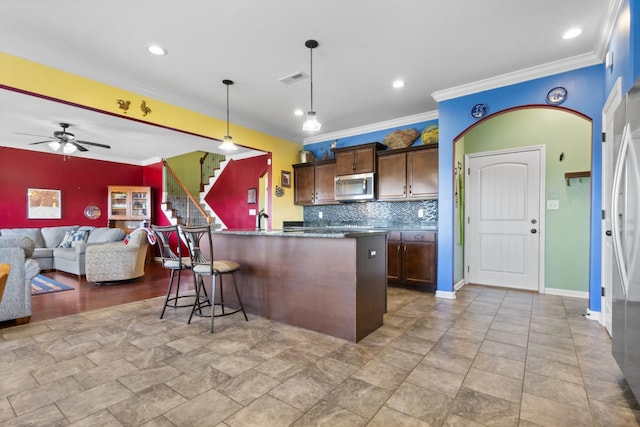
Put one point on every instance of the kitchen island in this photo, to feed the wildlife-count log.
(329, 281)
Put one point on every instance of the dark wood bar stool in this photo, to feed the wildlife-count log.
(204, 264)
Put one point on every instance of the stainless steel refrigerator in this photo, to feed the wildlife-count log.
(626, 238)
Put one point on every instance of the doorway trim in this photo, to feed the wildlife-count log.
(541, 149)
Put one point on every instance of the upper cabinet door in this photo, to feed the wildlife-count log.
(409, 174)
(357, 159)
(303, 185)
(422, 174)
(325, 183)
(392, 176)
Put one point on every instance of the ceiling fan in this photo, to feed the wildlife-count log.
(65, 140)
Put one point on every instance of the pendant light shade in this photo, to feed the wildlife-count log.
(68, 148)
(312, 123)
(54, 145)
(227, 141)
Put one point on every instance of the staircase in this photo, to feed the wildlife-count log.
(179, 205)
(211, 167)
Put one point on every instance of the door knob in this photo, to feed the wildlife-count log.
(534, 231)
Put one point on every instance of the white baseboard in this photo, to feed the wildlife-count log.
(566, 293)
(594, 315)
(459, 285)
(446, 295)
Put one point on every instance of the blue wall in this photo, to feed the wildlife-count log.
(320, 148)
(621, 44)
(585, 95)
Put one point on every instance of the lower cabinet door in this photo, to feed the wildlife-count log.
(394, 265)
(418, 263)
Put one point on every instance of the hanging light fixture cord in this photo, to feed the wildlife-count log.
(311, 68)
(227, 84)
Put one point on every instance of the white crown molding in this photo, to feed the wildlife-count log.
(520, 76)
(610, 24)
(401, 121)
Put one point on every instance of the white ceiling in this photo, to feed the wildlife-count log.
(434, 46)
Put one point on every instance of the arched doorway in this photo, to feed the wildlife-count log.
(564, 224)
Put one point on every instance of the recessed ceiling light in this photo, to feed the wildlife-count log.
(398, 84)
(572, 33)
(298, 112)
(157, 50)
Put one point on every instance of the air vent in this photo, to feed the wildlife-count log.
(292, 78)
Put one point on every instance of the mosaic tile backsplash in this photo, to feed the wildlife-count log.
(376, 214)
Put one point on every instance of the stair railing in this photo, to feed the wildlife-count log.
(179, 196)
(209, 163)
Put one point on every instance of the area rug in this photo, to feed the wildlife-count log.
(44, 285)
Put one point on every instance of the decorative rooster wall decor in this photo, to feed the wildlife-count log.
(123, 105)
(145, 110)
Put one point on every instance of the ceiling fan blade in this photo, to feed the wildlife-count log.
(78, 146)
(31, 134)
(96, 144)
(42, 142)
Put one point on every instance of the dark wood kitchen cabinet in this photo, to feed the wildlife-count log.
(313, 183)
(408, 174)
(412, 258)
(357, 159)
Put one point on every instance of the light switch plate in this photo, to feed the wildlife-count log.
(252, 212)
(553, 205)
(420, 213)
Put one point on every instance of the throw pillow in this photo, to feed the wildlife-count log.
(66, 240)
(79, 236)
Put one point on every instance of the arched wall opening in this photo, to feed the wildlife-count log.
(567, 137)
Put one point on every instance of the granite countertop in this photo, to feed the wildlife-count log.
(422, 226)
(331, 233)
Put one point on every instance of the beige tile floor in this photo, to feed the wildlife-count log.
(491, 357)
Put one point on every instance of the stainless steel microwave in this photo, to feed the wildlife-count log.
(351, 188)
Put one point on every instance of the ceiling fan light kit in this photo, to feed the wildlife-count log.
(312, 123)
(227, 141)
(65, 140)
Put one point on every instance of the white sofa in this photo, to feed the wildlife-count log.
(48, 241)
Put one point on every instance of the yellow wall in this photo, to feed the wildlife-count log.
(33, 77)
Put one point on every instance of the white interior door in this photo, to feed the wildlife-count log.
(503, 218)
(608, 161)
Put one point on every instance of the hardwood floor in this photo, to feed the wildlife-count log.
(89, 296)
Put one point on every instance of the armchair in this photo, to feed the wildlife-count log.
(117, 261)
(16, 301)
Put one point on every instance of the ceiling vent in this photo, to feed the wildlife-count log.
(292, 78)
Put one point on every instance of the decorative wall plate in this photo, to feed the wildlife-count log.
(557, 95)
(92, 212)
(479, 111)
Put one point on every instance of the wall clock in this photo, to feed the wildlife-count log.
(557, 95)
(479, 110)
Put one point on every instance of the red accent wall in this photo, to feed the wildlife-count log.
(81, 181)
(228, 197)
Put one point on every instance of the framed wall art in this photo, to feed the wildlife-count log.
(43, 204)
(285, 179)
(251, 196)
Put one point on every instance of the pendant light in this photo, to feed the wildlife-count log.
(312, 123)
(227, 141)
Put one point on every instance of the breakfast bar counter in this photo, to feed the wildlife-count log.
(329, 281)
